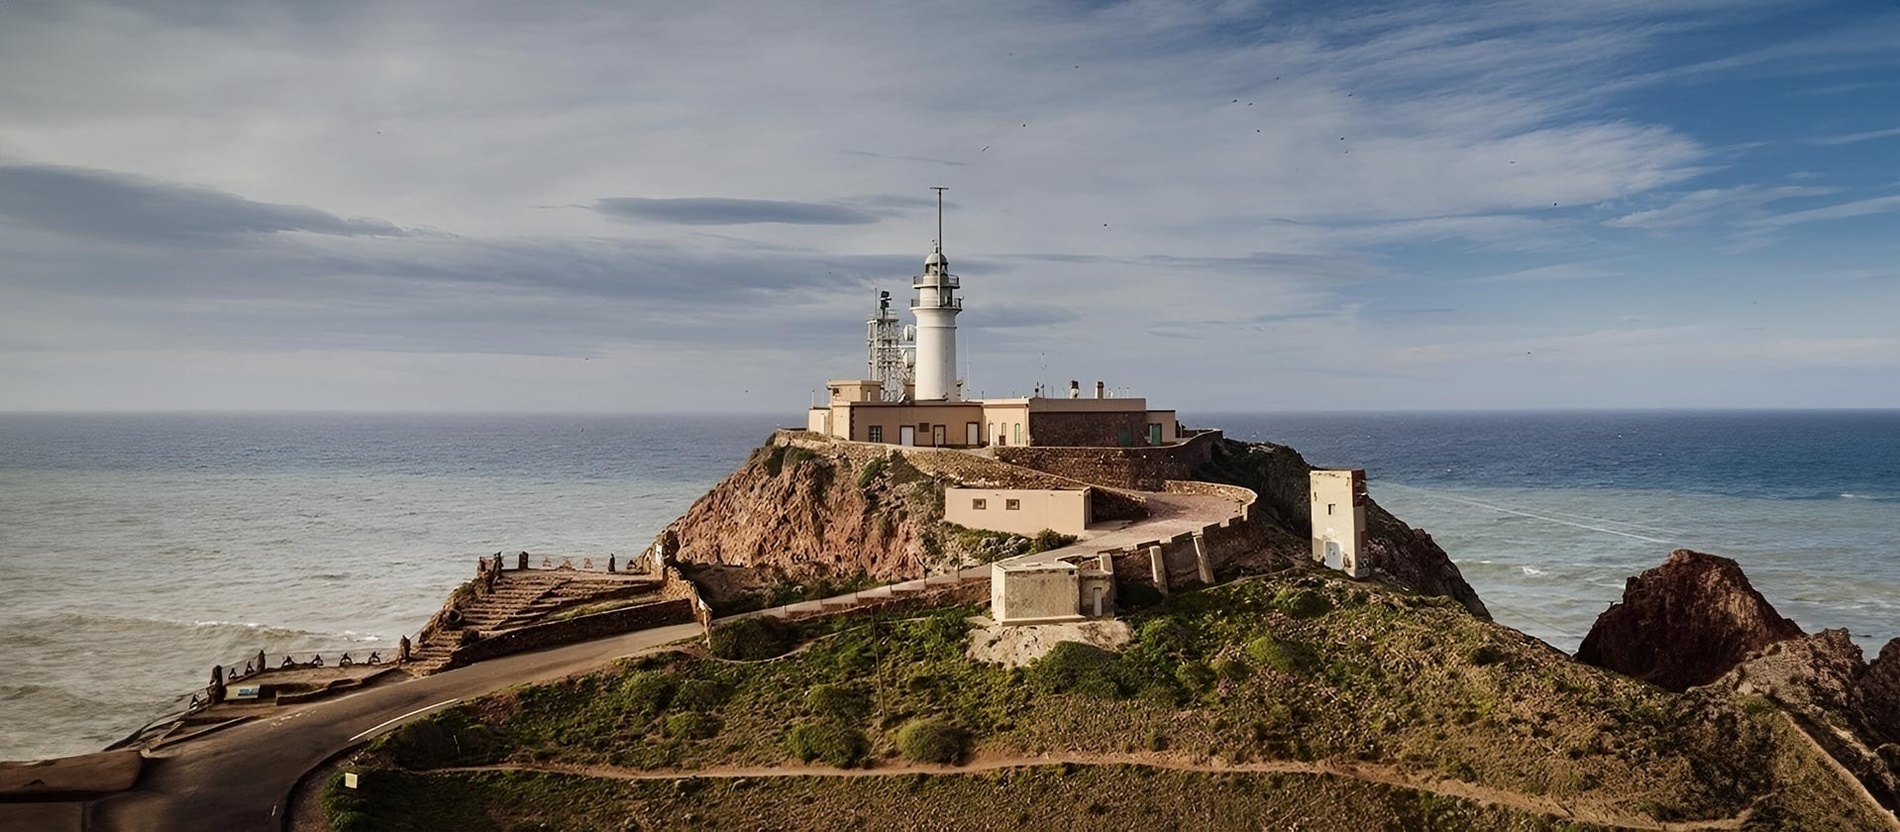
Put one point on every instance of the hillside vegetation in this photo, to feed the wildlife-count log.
(1295, 698)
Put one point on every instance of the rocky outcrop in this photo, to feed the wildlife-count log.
(1875, 699)
(1400, 553)
(1846, 705)
(1684, 623)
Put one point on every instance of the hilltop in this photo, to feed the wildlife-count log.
(1284, 695)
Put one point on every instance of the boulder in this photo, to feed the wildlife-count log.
(1684, 623)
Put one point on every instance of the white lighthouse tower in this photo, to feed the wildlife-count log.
(936, 306)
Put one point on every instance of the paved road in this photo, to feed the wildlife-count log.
(236, 780)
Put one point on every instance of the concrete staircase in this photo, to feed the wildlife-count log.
(520, 598)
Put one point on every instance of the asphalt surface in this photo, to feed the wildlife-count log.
(239, 778)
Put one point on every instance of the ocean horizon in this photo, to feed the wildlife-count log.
(138, 549)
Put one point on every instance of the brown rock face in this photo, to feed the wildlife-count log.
(1876, 696)
(1684, 623)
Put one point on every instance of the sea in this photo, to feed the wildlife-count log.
(137, 550)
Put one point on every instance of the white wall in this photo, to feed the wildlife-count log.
(1065, 511)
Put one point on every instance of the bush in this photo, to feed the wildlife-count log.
(752, 638)
(1164, 636)
(842, 702)
(1196, 677)
(699, 695)
(647, 692)
(1074, 667)
(932, 740)
(1133, 596)
(690, 726)
(838, 745)
(1297, 602)
(1049, 539)
(1289, 657)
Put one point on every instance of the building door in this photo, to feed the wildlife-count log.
(1335, 559)
(972, 434)
(937, 436)
(1098, 602)
(1154, 434)
(907, 435)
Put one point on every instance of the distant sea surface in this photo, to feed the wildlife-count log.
(138, 550)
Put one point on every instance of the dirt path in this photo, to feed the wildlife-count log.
(1585, 811)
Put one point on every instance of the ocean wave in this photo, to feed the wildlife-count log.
(1533, 571)
(1879, 498)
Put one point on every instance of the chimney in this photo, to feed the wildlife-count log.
(1075, 389)
(1100, 391)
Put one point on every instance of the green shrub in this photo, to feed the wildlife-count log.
(932, 740)
(1298, 602)
(839, 745)
(843, 702)
(1049, 539)
(699, 695)
(1289, 657)
(344, 808)
(1133, 596)
(1164, 636)
(689, 725)
(647, 692)
(1195, 677)
(752, 638)
(1231, 668)
(1074, 667)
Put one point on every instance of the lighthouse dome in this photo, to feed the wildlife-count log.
(936, 257)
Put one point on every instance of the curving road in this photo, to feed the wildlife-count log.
(237, 779)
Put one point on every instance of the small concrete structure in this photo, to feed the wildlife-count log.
(1339, 519)
(1023, 511)
(1051, 592)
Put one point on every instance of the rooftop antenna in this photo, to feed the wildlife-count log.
(939, 189)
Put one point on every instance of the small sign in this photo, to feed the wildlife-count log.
(246, 692)
(349, 779)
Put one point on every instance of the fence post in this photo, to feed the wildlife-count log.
(610, 561)
(523, 562)
(402, 651)
(215, 692)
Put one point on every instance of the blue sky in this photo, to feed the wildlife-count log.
(1223, 206)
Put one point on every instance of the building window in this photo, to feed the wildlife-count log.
(923, 428)
(1329, 509)
(979, 504)
(877, 433)
(1019, 433)
(1012, 505)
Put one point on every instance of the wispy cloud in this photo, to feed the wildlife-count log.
(1852, 138)
(723, 211)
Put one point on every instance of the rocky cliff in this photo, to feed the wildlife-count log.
(1684, 623)
(1400, 553)
(802, 517)
(1695, 620)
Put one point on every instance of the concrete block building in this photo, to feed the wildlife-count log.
(1051, 592)
(1339, 519)
(1023, 511)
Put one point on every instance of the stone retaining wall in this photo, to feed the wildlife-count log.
(581, 628)
(1139, 468)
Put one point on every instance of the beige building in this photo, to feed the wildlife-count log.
(1339, 519)
(1051, 592)
(856, 412)
(1023, 511)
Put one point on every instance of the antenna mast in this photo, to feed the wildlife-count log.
(939, 189)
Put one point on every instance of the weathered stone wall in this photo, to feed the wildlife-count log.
(1139, 468)
(1107, 430)
(949, 594)
(582, 628)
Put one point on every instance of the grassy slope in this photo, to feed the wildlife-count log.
(1297, 666)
